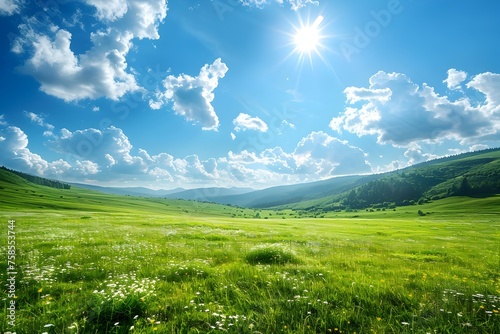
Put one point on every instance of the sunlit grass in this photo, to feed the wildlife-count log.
(178, 272)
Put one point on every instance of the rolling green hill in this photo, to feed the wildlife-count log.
(470, 174)
(18, 194)
(39, 180)
(281, 195)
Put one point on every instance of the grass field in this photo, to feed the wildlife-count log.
(92, 263)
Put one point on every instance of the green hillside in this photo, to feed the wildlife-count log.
(19, 194)
(282, 195)
(470, 174)
(39, 180)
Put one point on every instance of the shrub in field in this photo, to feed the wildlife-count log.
(270, 255)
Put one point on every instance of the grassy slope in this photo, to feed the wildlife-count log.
(440, 174)
(279, 195)
(383, 271)
(21, 195)
(398, 274)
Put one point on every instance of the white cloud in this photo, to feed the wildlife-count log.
(316, 156)
(355, 94)
(298, 4)
(455, 78)
(109, 10)
(75, 20)
(14, 152)
(87, 167)
(233, 136)
(254, 3)
(478, 147)
(415, 155)
(161, 174)
(10, 7)
(330, 155)
(192, 96)
(2, 121)
(198, 170)
(58, 169)
(246, 122)
(16, 139)
(40, 121)
(294, 4)
(283, 126)
(101, 71)
(488, 84)
(107, 157)
(416, 113)
(108, 149)
(143, 17)
(285, 123)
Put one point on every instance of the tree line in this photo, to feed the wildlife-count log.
(39, 180)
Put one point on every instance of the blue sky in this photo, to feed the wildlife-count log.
(225, 92)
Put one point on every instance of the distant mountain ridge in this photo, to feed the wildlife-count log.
(129, 191)
(280, 195)
(197, 194)
(210, 194)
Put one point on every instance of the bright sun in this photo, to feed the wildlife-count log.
(308, 38)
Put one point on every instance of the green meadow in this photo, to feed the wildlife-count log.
(93, 263)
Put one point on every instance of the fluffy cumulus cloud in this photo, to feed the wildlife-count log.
(102, 70)
(192, 97)
(108, 157)
(414, 154)
(10, 7)
(14, 152)
(294, 4)
(488, 84)
(110, 10)
(355, 94)
(246, 122)
(316, 156)
(455, 78)
(402, 113)
(108, 149)
(330, 156)
(90, 153)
